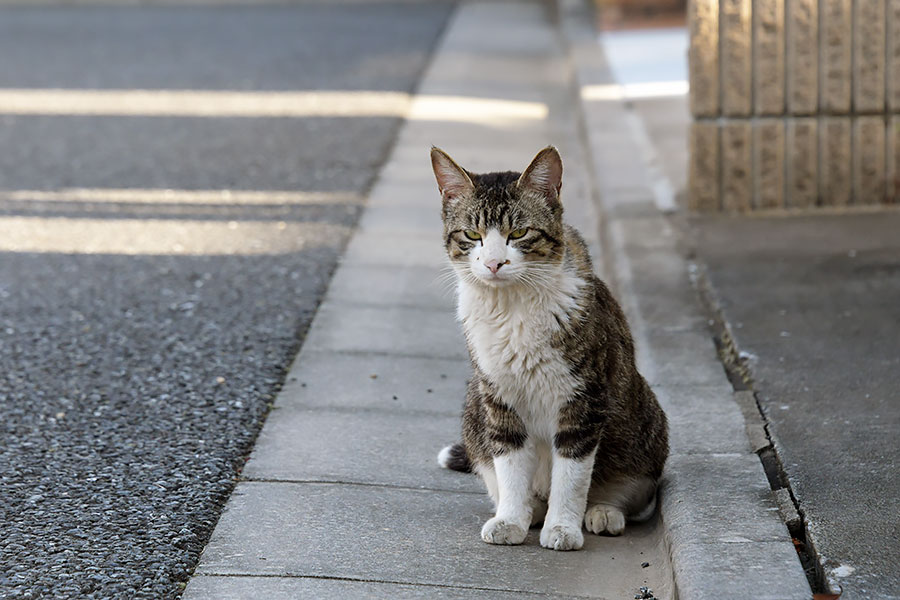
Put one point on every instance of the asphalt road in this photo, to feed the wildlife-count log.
(143, 336)
(815, 301)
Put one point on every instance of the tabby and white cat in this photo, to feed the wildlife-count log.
(558, 422)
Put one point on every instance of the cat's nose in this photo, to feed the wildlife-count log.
(494, 265)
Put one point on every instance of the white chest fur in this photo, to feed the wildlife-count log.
(509, 331)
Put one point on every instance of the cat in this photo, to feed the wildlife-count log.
(557, 420)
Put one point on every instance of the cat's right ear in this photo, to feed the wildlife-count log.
(453, 181)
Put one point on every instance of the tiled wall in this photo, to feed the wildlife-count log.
(796, 103)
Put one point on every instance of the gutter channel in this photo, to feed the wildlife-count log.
(738, 369)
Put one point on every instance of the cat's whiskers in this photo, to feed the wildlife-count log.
(540, 275)
(447, 278)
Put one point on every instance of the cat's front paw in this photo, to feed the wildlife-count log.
(562, 537)
(501, 531)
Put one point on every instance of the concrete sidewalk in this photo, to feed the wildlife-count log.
(342, 496)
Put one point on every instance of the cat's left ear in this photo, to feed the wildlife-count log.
(544, 175)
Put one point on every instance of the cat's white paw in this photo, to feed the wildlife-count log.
(562, 537)
(603, 518)
(501, 531)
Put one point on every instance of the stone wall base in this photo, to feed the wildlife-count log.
(742, 165)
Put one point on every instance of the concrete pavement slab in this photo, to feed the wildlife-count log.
(391, 448)
(726, 497)
(383, 248)
(420, 216)
(409, 190)
(740, 569)
(411, 536)
(422, 287)
(656, 309)
(212, 587)
(688, 397)
(376, 381)
(396, 330)
(680, 358)
(703, 420)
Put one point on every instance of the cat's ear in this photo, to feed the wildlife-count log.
(453, 181)
(544, 175)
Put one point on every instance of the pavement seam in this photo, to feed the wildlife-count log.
(392, 354)
(362, 304)
(376, 353)
(376, 410)
(398, 582)
(388, 486)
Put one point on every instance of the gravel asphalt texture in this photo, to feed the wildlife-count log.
(132, 386)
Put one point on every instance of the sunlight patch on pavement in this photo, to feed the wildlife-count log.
(164, 236)
(475, 110)
(169, 196)
(203, 103)
(194, 103)
(634, 91)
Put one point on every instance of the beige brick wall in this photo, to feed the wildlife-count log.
(869, 160)
(834, 159)
(892, 70)
(703, 174)
(768, 164)
(802, 76)
(892, 166)
(737, 164)
(735, 53)
(868, 57)
(794, 104)
(768, 57)
(703, 57)
(802, 164)
(835, 36)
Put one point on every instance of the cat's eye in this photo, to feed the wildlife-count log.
(472, 234)
(518, 233)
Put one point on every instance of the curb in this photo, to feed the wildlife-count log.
(719, 516)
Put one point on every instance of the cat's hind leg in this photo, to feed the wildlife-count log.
(489, 477)
(538, 511)
(540, 483)
(610, 504)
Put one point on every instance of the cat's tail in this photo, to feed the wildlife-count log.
(455, 457)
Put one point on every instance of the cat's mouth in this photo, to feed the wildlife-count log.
(495, 279)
